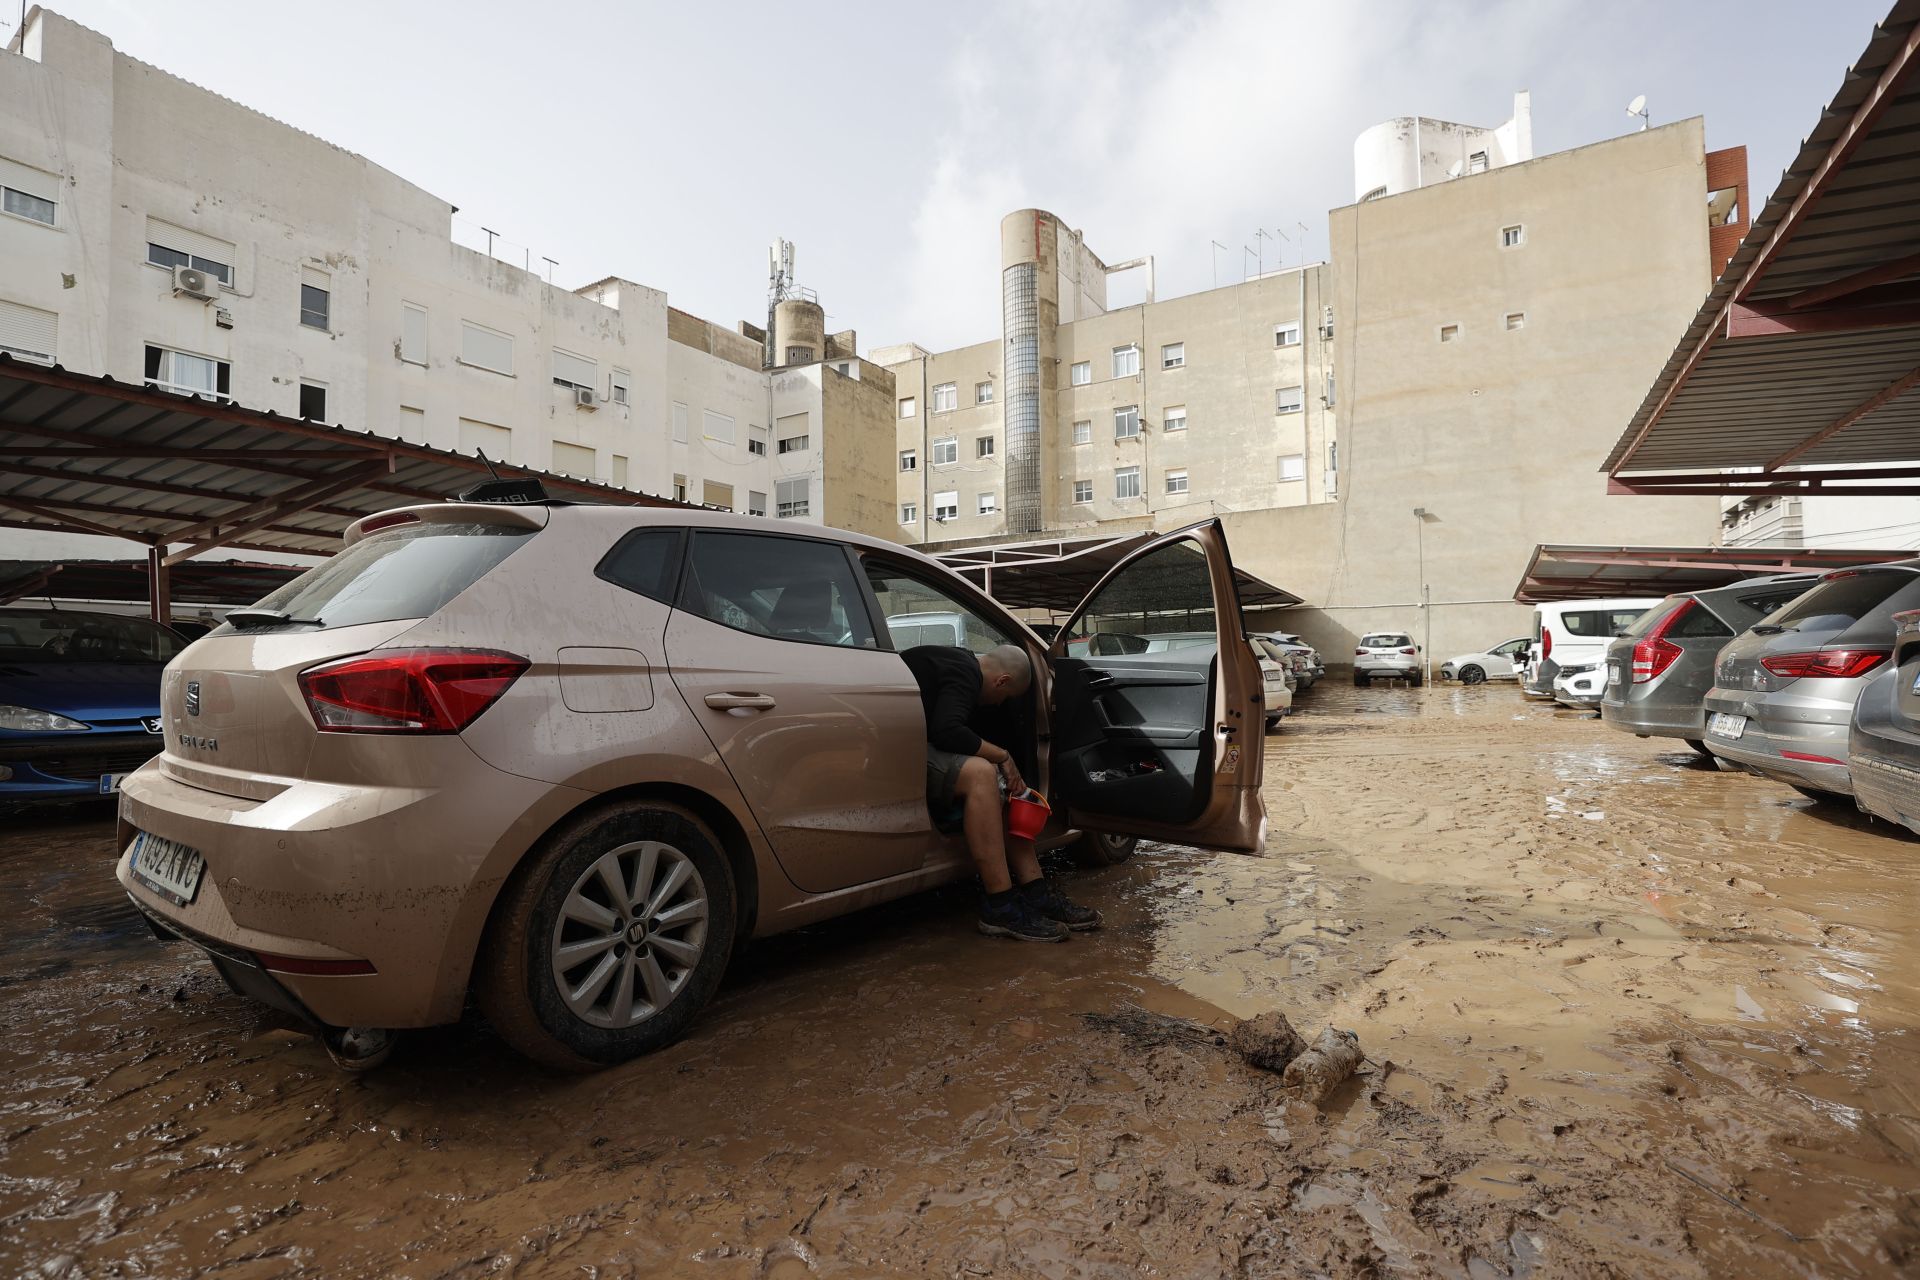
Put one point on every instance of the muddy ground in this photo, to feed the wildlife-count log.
(1626, 1015)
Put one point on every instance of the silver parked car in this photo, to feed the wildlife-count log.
(1658, 674)
(1885, 741)
(1783, 694)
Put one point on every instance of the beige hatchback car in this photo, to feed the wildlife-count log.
(568, 758)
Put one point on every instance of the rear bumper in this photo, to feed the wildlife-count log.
(243, 973)
(1887, 789)
(1652, 720)
(1779, 726)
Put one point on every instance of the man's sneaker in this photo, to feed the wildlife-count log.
(1011, 915)
(1046, 899)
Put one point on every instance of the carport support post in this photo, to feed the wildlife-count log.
(157, 575)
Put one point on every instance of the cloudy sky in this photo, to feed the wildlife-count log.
(670, 142)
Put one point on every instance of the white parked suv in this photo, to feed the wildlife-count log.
(1571, 637)
(1391, 654)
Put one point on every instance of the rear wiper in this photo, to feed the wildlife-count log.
(255, 617)
(1769, 628)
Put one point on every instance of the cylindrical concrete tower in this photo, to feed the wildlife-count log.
(1030, 306)
(799, 332)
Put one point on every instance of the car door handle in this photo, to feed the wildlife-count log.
(734, 701)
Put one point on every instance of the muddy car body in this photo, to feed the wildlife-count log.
(1884, 741)
(569, 756)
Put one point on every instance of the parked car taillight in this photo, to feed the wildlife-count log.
(1827, 664)
(1359, 653)
(1546, 644)
(1408, 652)
(1655, 653)
(408, 690)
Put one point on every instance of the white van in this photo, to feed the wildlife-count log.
(1572, 635)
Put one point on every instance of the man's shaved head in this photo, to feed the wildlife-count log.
(1006, 672)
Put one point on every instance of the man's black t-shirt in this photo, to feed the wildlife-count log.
(949, 680)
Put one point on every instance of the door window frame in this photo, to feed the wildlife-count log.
(876, 625)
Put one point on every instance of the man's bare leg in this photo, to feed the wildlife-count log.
(978, 787)
(1023, 860)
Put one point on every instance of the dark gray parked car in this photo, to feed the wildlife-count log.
(1885, 742)
(1659, 672)
(1783, 694)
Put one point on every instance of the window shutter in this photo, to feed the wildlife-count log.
(29, 331)
(35, 182)
(413, 334)
(485, 348)
(581, 372)
(200, 246)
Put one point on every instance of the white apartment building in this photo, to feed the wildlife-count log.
(150, 229)
(1410, 152)
(1773, 520)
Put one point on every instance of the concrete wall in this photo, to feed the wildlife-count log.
(857, 461)
(1410, 152)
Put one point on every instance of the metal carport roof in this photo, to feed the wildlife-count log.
(1055, 574)
(1563, 572)
(1806, 353)
(222, 582)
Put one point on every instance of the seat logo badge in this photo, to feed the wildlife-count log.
(150, 723)
(193, 697)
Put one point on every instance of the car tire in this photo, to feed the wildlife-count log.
(1103, 848)
(1359, 680)
(1819, 796)
(547, 903)
(1273, 722)
(1416, 679)
(1699, 748)
(1473, 673)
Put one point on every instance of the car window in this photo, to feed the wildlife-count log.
(1837, 603)
(1653, 617)
(1768, 605)
(1385, 641)
(48, 635)
(1600, 622)
(1700, 624)
(785, 588)
(1511, 648)
(646, 561)
(1169, 589)
(408, 572)
(917, 612)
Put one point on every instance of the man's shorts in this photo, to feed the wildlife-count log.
(943, 776)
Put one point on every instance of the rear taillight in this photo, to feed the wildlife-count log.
(1825, 664)
(1408, 652)
(1359, 653)
(1546, 643)
(408, 690)
(373, 524)
(1655, 653)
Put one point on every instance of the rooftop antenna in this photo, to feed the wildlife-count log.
(1260, 235)
(1218, 249)
(482, 455)
(491, 233)
(1285, 239)
(1638, 107)
(551, 264)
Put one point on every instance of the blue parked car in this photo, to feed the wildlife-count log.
(79, 700)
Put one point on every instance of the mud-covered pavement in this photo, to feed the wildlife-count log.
(1627, 1015)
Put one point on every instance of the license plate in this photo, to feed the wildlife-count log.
(110, 783)
(1613, 676)
(167, 867)
(1725, 725)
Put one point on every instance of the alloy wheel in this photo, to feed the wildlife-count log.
(629, 934)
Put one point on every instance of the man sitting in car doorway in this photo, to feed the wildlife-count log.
(967, 772)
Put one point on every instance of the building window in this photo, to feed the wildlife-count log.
(1327, 396)
(1176, 482)
(620, 391)
(983, 393)
(1449, 333)
(313, 400)
(988, 504)
(574, 459)
(1286, 335)
(413, 333)
(163, 255)
(1477, 162)
(946, 506)
(757, 441)
(715, 494)
(1174, 419)
(909, 407)
(1082, 492)
(795, 444)
(1173, 356)
(576, 373)
(29, 333)
(719, 426)
(792, 497)
(1513, 237)
(909, 513)
(983, 447)
(909, 460)
(315, 304)
(190, 374)
(1126, 482)
(1375, 194)
(1083, 431)
(946, 397)
(485, 348)
(1288, 399)
(1333, 455)
(1126, 422)
(679, 488)
(756, 503)
(679, 423)
(1293, 466)
(620, 470)
(1126, 361)
(799, 355)
(1083, 373)
(25, 204)
(945, 451)
(1516, 319)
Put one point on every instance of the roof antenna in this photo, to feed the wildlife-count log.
(482, 455)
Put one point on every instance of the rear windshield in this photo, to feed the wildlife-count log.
(409, 572)
(1838, 603)
(1384, 642)
(47, 635)
(1599, 622)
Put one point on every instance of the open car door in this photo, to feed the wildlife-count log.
(1157, 728)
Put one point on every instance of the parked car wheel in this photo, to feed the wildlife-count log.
(610, 937)
(1473, 673)
(1822, 797)
(1359, 679)
(1103, 848)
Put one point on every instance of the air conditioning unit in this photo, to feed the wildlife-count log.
(195, 283)
(583, 398)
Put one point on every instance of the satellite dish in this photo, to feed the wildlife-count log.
(1638, 107)
(1453, 170)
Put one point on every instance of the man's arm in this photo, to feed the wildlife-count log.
(947, 726)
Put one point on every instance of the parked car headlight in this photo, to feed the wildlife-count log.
(27, 720)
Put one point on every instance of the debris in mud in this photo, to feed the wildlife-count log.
(1333, 1057)
(1267, 1040)
(1146, 1029)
